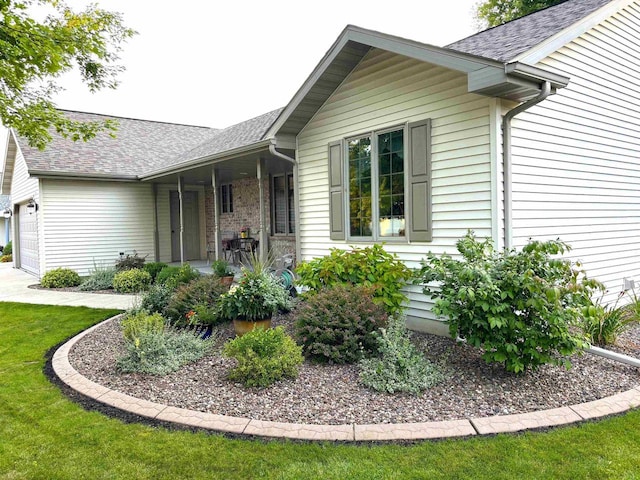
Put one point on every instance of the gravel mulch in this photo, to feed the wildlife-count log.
(332, 395)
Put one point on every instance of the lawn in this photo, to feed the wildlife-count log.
(44, 435)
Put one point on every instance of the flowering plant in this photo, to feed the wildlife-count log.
(257, 296)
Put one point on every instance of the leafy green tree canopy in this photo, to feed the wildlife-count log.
(496, 12)
(34, 53)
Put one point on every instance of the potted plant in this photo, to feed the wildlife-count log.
(221, 270)
(254, 300)
(244, 232)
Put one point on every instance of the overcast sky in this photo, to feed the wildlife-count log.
(219, 63)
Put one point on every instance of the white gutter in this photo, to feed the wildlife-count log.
(506, 158)
(275, 153)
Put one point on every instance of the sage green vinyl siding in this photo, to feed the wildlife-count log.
(576, 156)
(87, 223)
(388, 90)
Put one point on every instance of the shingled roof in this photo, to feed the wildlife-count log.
(507, 41)
(139, 146)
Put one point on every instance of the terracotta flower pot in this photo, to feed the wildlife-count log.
(244, 326)
(226, 281)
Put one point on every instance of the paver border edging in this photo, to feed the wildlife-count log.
(63, 369)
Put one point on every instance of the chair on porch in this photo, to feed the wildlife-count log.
(227, 238)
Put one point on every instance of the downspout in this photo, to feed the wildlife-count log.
(506, 159)
(156, 234)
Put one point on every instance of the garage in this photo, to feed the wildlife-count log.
(28, 240)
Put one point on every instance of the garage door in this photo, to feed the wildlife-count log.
(28, 238)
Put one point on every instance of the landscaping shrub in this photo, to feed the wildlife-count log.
(517, 306)
(159, 353)
(100, 279)
(156, 299)
(339, 324)
(8, 249)
(264, 357)
(130, 262)
(154, 268)
(400, 366)
(174, 276)
(6, 258)
(138, 324)
(370, 267)
(201, 296)
(60, 278)
(131, 281)
(633, 308)
(603, 323)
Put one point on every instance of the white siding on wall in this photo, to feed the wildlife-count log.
(86, 222)
(387, 90)
(576, 156)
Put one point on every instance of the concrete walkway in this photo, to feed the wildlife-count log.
(14, 285)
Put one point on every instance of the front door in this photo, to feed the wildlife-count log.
(191, 222)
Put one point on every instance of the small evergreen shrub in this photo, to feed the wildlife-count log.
(100, 279)
(156, 299)
(160, 353)
(8, 249)
(138, 324)
(130, 262)
(201, 296)
(371, 267)
(131, 281)
(174, 276)
(264, 357)
(339, 324)
(400, 367)
(60, 278)
(154, 268)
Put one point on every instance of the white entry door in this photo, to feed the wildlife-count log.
(28, 240)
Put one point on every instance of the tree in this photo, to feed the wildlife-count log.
(35, 53)
(496, 12)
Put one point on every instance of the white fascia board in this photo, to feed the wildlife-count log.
(560, 39)
(11, 147)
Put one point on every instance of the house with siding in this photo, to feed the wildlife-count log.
(526, 130)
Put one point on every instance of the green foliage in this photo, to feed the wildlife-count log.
(633, 308)
(517, 306)
(496, 12)
(130, 262)
(60, 278)
(131, 281)
(370, 267)
(603, 323)
(202, 296)
(221, 268)
(339, 324)
(8, 249)
(159, 353)
(174, 276)
(138, 324)
(154, 269)
(257, 296)
(36, 52)
(100, 279)
(156, 299)
(264, 357)
(6, 258)
(400, 367)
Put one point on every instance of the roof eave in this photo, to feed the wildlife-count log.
(82, 176)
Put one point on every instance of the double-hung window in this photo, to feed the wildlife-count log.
(283, 207)
(380, 185)
(226, 198)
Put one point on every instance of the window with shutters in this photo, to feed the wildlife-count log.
(226, 198)
(380, 185)
(282, 204)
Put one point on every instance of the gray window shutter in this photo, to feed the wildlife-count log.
(420, 181)
(336, 191)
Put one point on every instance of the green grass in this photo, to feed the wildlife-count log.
(45, 436)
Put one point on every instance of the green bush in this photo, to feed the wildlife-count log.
(138, 324)
(159, 353)
(131, 281)
(8, 249)
(154, 268)
(156, 299)
(370, 267)
(400, 366)
(518, 307)
(6, 258)
(603, 323)
(264, 357)
(100, 279)
(202, 297)
(60, 278)
(339, 324)
(174, 276)
(221, 269)
(130, 262)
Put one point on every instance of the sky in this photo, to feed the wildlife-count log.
(219, 63)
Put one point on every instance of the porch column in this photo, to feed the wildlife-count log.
(156, 234)
(180, 189)
(263, 223)
(216, 214)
